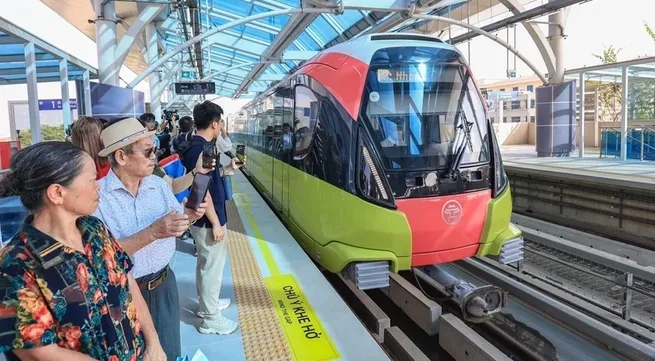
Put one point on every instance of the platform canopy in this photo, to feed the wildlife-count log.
(248, 58)
(13, 66)
(638, 70)
(259, 47)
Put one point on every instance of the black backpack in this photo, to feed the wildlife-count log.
(184, 144)
(188, 145)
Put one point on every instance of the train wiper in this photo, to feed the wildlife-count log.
(464, 126)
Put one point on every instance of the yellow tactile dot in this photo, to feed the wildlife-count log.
(263, 338)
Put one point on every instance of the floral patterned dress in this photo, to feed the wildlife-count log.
(52, 294)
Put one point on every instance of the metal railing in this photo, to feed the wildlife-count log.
(617, 285)
(646, 151)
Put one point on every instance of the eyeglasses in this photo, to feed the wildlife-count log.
(147, 152)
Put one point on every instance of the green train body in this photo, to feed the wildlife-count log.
(314, 149)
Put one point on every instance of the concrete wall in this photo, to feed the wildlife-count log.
(526, 133)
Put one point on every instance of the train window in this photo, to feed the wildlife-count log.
(420, 114)
(305, 119)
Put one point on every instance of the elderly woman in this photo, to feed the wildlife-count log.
(66, 288)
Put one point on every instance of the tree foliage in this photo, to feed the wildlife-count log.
(610, 94)
(641, 100)
(650, 31)
(48, 132)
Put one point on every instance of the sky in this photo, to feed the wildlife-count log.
(590, 27)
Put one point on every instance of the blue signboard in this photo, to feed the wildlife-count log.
(54, 104)
(502, 95)
(189, 75)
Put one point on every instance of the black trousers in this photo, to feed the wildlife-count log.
(164, 305)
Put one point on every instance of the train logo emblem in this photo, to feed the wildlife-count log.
(452, 212)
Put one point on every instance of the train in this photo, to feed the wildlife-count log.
(379, 157)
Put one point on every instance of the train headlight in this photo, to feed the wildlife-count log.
(369, 179)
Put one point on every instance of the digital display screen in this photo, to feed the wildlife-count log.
(404, 75)
(195, 88)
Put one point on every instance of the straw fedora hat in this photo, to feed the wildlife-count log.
(122, 134)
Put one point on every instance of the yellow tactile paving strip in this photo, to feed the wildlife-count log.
(262, 334)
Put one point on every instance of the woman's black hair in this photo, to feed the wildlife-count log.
(38, 166)
(205, 113)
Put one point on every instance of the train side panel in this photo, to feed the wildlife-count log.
(336, 227)
(498, 228)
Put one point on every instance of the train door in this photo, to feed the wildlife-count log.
(304, 194)
(276, 154)
(269, 144)
(286, 146)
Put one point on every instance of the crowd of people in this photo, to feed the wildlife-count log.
(87, 276)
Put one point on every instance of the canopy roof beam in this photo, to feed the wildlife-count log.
(546, 51)
(198, 38)
(125, 44)
(25, 37)
(294, 27)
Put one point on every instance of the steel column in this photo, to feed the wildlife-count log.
(106, 41)
(32, 92)
(86, 80)
(556, 39)
(581, 88)
(65, 97)
(624, 114)
(153, 55)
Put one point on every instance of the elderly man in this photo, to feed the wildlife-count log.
(141, 211)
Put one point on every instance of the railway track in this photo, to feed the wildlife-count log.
(569, 300)
(537, 324)
(613, 277)
(414, 319)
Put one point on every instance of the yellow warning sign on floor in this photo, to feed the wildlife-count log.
(307, 338)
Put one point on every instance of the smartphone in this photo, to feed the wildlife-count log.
(199, 190)
(208, 155)
(241, 152)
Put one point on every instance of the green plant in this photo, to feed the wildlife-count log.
(610, 94)
(48, 132)
(650, 31)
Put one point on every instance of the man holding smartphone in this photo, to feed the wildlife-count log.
(211, 254)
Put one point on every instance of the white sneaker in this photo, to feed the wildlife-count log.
(223, 303)
(220, 325)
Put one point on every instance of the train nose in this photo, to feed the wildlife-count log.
(446, 228)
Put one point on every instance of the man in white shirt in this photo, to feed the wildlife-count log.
(140, 209)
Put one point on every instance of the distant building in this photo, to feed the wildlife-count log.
(513, 100)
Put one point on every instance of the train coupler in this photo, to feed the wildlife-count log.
(477, 304)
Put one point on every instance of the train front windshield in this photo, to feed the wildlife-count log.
(424, 110)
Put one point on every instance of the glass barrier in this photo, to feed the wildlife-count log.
(640, 143)
(12, 214)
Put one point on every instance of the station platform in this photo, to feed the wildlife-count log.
(525, 157)
(285, 307)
